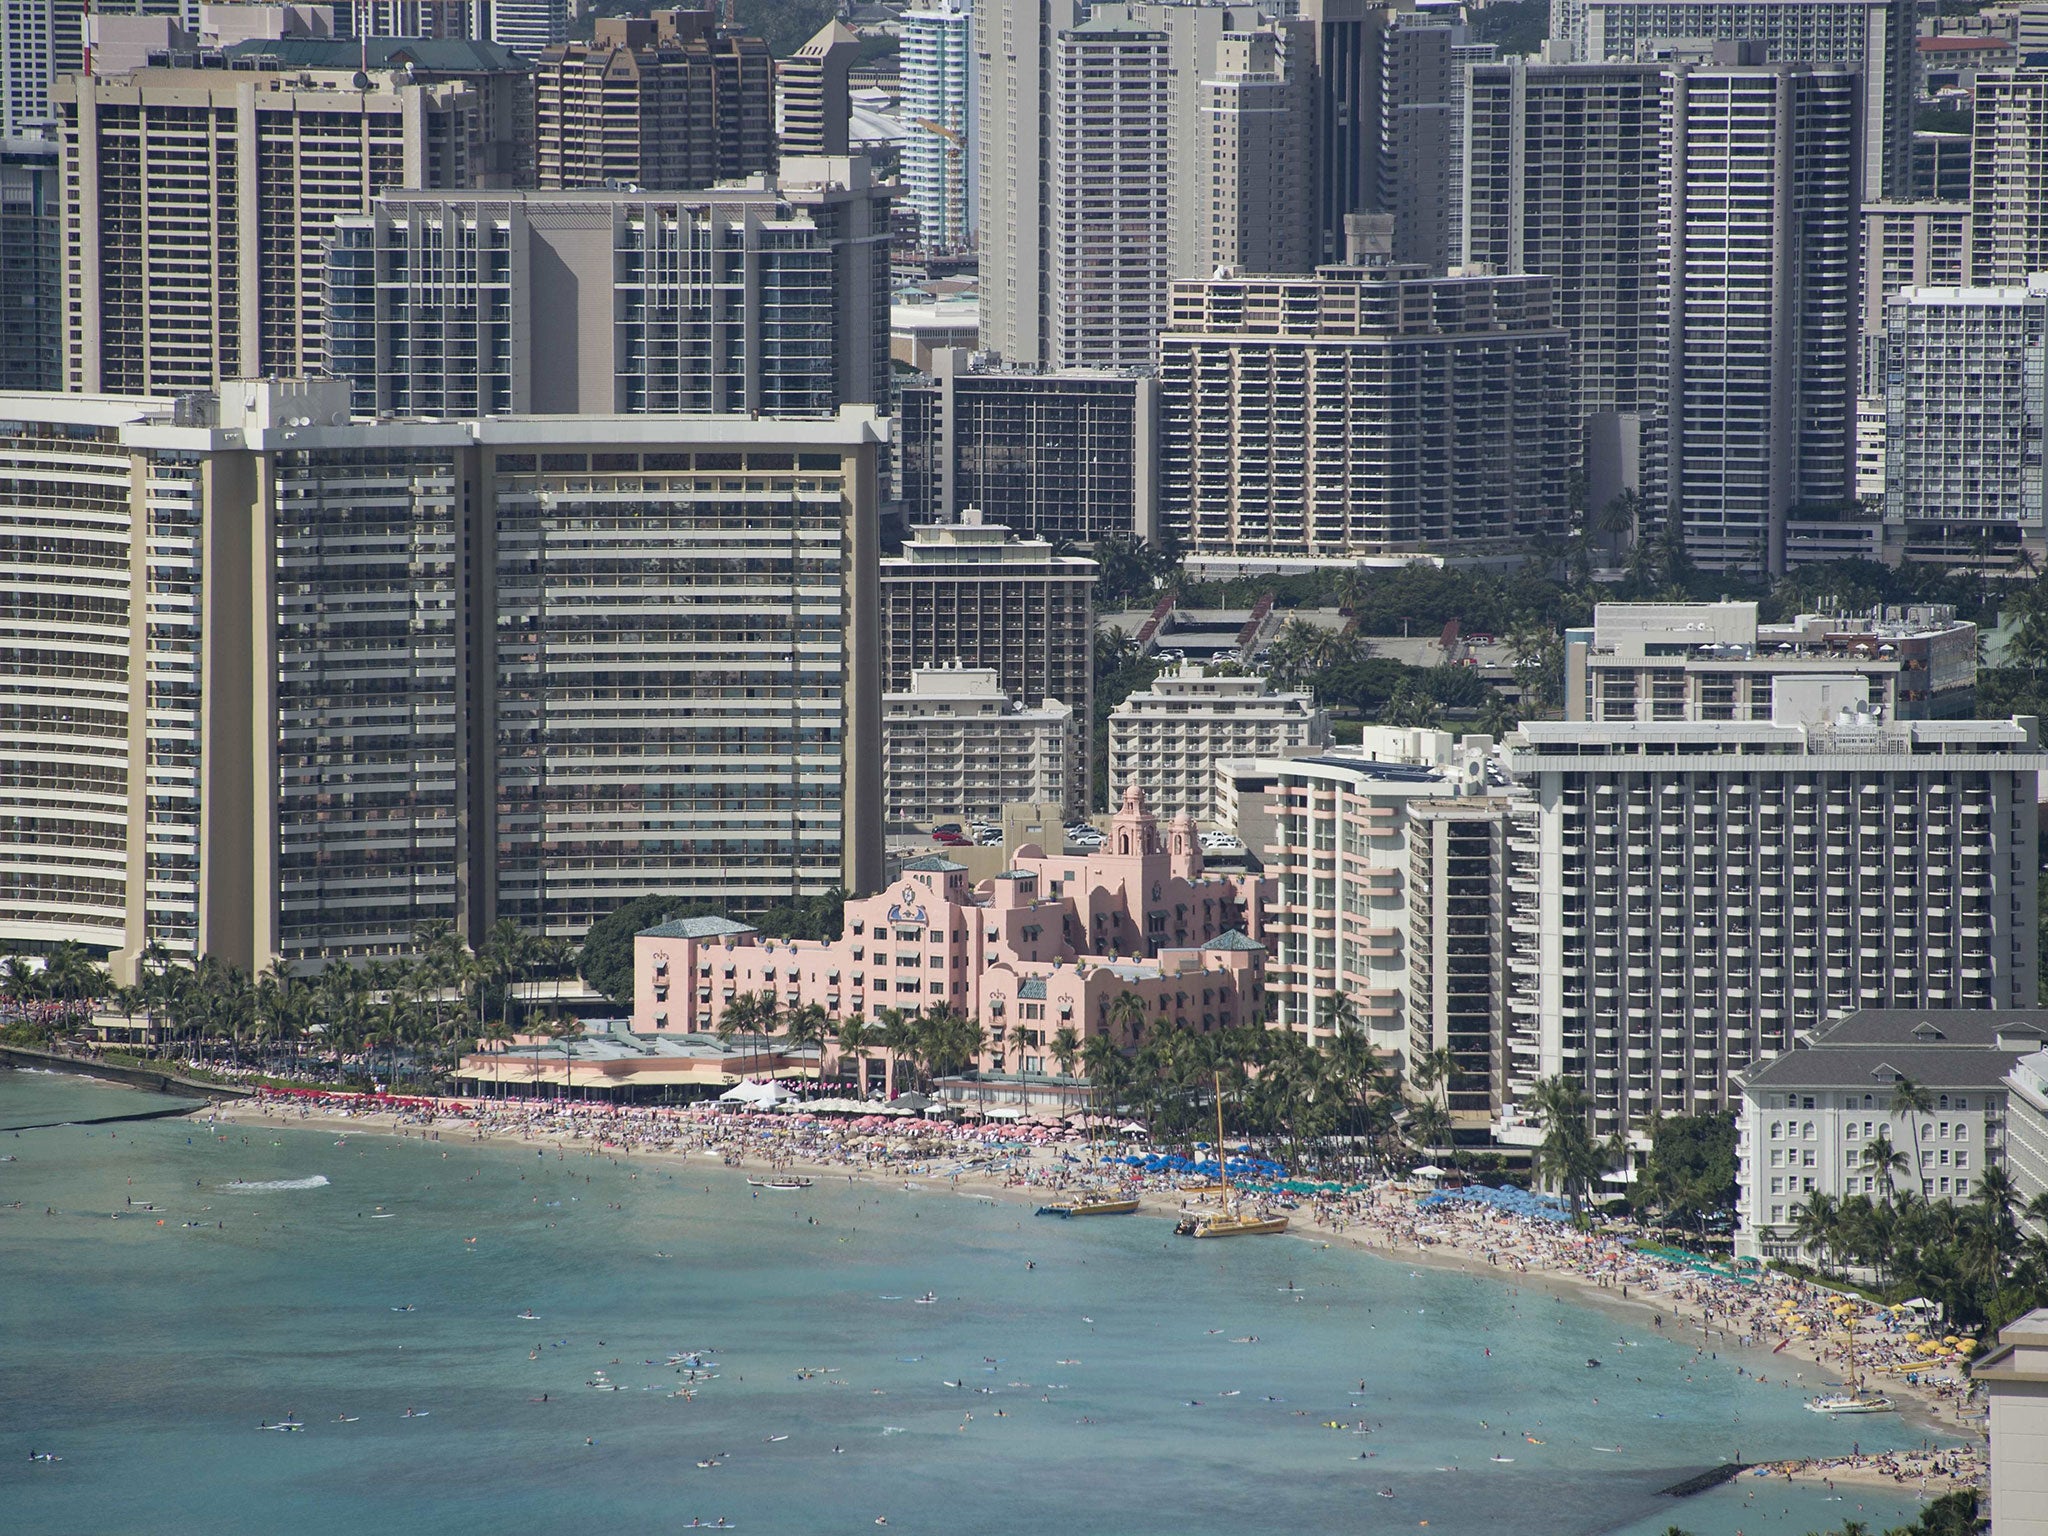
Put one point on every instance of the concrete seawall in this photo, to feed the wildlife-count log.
(113, 1072)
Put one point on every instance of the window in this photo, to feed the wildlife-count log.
(1962, 1159)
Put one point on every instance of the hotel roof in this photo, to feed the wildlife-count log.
(934, 864)
(1234, 940)
(694, 928)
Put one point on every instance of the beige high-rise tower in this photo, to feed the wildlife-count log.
(1122, 150)
(198, 203)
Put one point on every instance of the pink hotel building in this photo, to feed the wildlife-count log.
(1051, 942)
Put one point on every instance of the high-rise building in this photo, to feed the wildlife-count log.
(1757, 217)
(529, 27)
(1166, 740)
(766, 296)
(1064, 454)
(1417, 170)
(1344, 38)
(198, 204)
(1148, 141)
(31, 266)
(1012, 156)
(1386, 913)
(812, 107)
(1324, 417)
(289, 684)
(1966, 405)
(1561, 177)
(1874, 37)
(1106, 208)
(2009, 176)
(935, 68)
(661, 102)
(1686, 898)
(28, 65)
(954, 745)
(1907, 245)
(968, 594)
(500, 79)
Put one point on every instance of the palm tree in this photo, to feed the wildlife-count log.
(497, 1035)
(2037, 1210)
(1567, 1156)
(1911, 1101)
(807, 1027)
(904, 1042)
(1435, 1071)
(1886, 1161)
(1429, 1125)
(566, 1032)
(743, 1016)
(1995, 1198)
(1814, 1224)
(1127, 1014)
(856, 1039)
(1066, 1048)
(1109, 1072)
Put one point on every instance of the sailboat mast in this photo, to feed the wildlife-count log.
(1222, 1162)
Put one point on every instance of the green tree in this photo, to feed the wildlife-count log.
(1568, 1158)
(1886, 1161)
(1065, 1047)
(1814, 1223)
(1689, 1171)
(1127, 1016)
(856, 1039)
(606, 960)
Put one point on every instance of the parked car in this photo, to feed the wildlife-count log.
(947, 826)
(951, 839)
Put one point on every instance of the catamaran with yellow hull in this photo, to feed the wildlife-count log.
(1231, 1221)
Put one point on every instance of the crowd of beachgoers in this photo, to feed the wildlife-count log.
(1931, 1471)
(1888, 1350)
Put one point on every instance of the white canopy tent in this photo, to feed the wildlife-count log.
(756, 1095)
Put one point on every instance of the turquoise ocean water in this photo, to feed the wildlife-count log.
(1107, 1386)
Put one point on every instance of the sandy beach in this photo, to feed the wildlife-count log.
(1801, 1324)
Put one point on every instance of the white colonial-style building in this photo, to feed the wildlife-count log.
(1807, 1116)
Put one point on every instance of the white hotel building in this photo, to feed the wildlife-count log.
(1806, 1117)
(1685, 899)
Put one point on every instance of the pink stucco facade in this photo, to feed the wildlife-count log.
(1051, 942)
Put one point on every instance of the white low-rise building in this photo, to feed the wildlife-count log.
(1168, 739)
(1808, 1116)
(955, 746)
